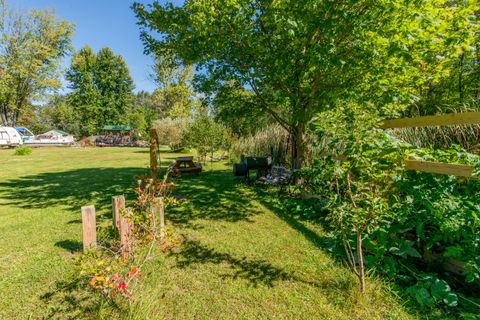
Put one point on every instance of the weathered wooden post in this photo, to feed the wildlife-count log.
(118, 204)
(126, 236)
(89, 227)
(153, 154)
(158, 209)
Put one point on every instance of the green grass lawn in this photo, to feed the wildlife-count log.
(242, 257)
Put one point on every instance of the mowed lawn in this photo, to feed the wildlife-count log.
(40, 221)
(243, 257)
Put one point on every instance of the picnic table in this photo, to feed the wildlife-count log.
(186, 165)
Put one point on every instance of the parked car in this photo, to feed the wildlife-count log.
(9, 137)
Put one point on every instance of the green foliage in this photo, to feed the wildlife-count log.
(207, 136)
(31, 48)
(172, 131)
(430, 290)
(143, 112)
(114, 84)
(23, 151)
(234, 107)
(401, 215)
(295, 66)
(58, 114)
(174, 96)
(101, 89)
(84, 96)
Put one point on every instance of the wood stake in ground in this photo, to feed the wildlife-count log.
(89, 227)
(118, 204)
(126, 236)
(153, 154)
(158, 208)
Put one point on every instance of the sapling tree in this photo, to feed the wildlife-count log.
(362, 165)
(206, 136)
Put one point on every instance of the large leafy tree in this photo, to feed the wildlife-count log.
(115, 86)
(101, 89)
(84, 96)
(235, 107)
(143, 112)
(300, 57)
(31, 47)
(174, 96)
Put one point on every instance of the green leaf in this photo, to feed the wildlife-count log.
(405, 249)
(451, 299)
(413, 252)
(440, 289)
(423, 297)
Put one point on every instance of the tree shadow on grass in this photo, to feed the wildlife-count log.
(300, 225)
(71, 300)
(213, 196)
(256, 272)
(74, 188)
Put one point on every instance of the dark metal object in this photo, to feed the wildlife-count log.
(240, 169)
(263, 166)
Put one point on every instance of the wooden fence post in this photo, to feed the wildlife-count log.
(118, 204)
(159, 209)
(89, 227)
(153, 154)
(126, 236)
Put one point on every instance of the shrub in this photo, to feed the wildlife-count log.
(104, 269)
(389, 219)
(207, 136)
(23, 151)
(172, 131)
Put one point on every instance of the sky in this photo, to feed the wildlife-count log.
(102, 23)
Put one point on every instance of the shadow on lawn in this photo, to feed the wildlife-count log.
(255, 271)
(70, 300)
(73, 188)
(297, 223)
(70, 245)
(213, 195)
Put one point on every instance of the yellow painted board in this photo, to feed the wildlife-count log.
(438, 120)
(459, 170)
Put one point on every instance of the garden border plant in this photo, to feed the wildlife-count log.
(105, 268)
(388, 218)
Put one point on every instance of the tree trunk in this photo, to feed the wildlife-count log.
(460, 77)
(298, 147)
(154, 154)
(361, 266)
(3, 116)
